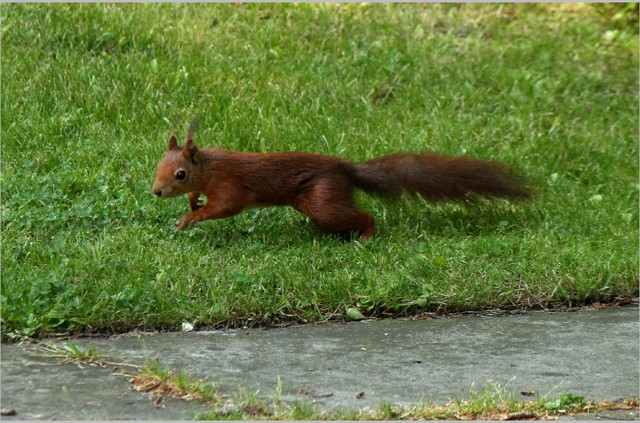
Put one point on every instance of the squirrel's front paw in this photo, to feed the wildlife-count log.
(186, 222)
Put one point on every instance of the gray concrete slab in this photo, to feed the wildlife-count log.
(593, 353)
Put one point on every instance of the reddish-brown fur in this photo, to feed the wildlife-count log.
(322, 187)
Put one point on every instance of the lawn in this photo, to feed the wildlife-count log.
(90, 93)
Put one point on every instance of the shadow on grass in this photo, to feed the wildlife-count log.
(286, 227)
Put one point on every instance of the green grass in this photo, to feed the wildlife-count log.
(492, 402)
(178, 384)
(89, 93)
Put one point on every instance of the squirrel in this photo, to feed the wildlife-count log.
(321, 186)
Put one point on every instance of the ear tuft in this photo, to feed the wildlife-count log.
(173, 142)
(193, 127)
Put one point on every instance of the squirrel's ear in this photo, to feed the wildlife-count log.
(173, 142)
(190, 150)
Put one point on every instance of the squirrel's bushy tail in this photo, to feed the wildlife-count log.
(438, 178)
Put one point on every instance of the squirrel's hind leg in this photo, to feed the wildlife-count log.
(335, 210)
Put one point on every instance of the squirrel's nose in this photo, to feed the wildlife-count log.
(158, 193)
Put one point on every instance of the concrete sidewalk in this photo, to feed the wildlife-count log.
(591, 353)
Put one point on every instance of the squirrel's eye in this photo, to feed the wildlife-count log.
(181, 174)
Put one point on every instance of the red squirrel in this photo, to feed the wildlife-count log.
(320, 186)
